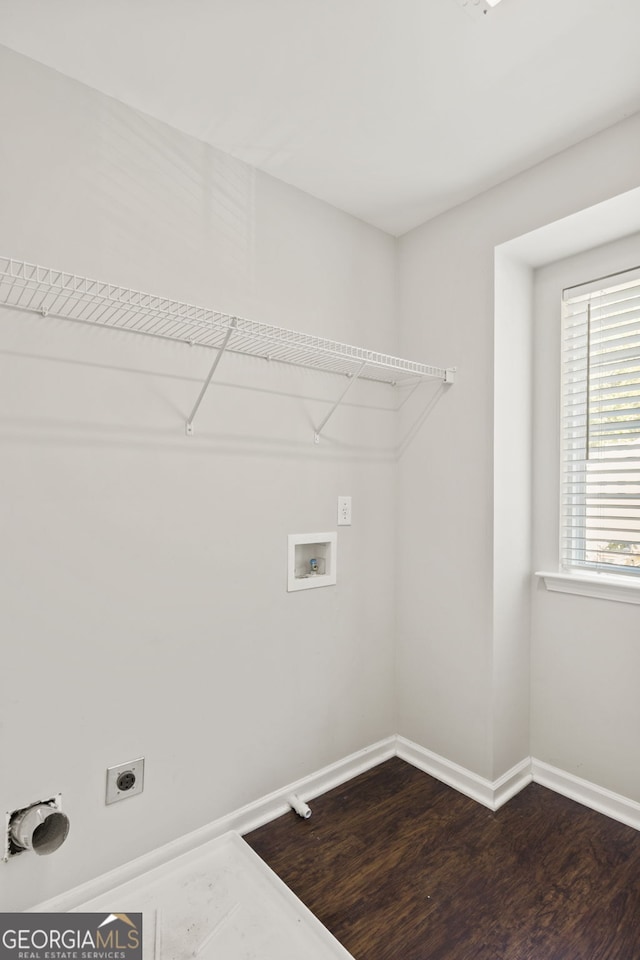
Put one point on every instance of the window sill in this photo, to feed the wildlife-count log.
(601, 585)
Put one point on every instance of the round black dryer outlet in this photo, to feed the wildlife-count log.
(126, 780)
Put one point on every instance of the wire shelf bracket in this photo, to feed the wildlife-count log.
(354, 377)
(214, 367)
(55, 293)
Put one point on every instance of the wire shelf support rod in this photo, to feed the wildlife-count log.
(354, 377)
(214, 367)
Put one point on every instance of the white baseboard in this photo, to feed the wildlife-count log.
(494, 794)
(242, 821)
(491, 794)
(511, 782)
(589, 794)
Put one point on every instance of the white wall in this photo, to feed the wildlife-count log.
(144, 597)
(463, 644)
(512, 527)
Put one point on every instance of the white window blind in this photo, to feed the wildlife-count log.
(600, 483)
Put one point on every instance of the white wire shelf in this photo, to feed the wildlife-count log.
(56, 293)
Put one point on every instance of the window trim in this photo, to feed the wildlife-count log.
(603, 586)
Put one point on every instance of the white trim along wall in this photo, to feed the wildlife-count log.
(491, 794)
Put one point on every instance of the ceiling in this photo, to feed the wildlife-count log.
(392, 110)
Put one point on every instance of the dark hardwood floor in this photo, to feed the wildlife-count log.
(401, 867)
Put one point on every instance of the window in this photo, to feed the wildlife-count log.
(600, 483)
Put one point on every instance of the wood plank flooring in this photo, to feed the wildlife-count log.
(401, 867)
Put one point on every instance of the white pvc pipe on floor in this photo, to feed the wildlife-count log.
(299, 806)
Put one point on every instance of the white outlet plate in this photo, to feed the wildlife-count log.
(344, 511)
(134, 767)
